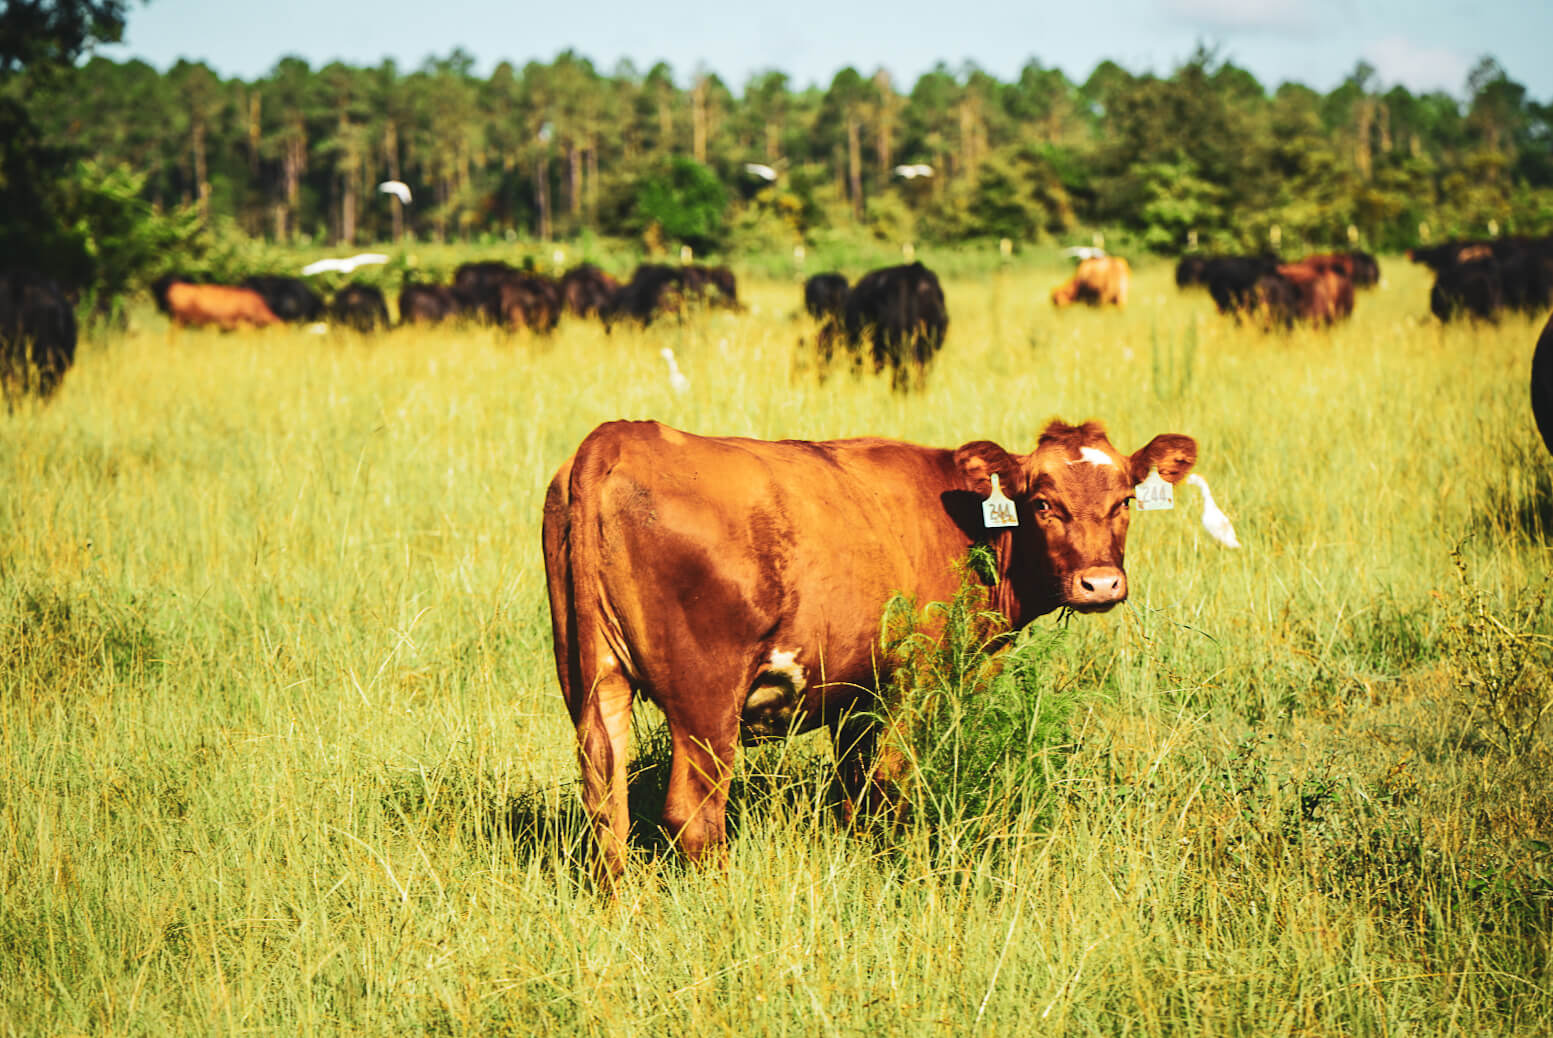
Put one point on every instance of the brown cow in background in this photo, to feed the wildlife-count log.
(225, 306)
(1099, 281)
(1315, 292)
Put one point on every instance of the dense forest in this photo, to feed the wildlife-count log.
(561, 149)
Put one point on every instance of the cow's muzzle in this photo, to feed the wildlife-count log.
(1097, 588)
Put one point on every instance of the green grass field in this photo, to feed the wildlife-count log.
(281, 748)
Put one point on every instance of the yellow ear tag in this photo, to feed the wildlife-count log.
(1154, 494)
(998, 510)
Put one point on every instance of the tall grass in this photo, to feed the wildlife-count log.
(281, 750)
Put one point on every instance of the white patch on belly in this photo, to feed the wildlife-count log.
(1095, 456)
(775, 696)
(786, 663)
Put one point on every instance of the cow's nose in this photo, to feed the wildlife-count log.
(1098, 587)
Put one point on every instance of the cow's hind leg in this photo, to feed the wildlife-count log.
(603, 733)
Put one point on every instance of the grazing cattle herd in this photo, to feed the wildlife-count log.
(894, 318)
(1265, 290)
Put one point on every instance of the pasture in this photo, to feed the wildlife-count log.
(281, 749)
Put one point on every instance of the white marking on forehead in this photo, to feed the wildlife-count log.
(1095, 456)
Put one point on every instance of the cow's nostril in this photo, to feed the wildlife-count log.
(1087, 585)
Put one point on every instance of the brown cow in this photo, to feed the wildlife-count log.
(1097, 282)
(225, 306)
(1321, 294)
(738, 584)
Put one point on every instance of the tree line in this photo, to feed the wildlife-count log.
(1205, 157)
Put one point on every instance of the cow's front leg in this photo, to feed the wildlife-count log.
(695, 810)
(869, 768)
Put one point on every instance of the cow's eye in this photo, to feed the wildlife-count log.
(1126, 504)
(1042, 505)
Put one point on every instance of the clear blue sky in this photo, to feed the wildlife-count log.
(1423, 44)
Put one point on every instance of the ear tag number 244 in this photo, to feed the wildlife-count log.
(1154, 494)
(998, 511)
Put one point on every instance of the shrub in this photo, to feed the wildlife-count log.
(687, 201)
(981, 730)
(1499, 665)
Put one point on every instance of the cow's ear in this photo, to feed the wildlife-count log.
(978, 460)
(1173, 455)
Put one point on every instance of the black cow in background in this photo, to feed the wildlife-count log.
(715, 286)
(426, 304)
(1471, 288)
(360, 307)
(37, 334)
(1192, 270)
(1481, 279)
(586, 290)
(1232, 280)
(898, 313)
(499, 293)
(288, 298)
(1526, 277)
(477, 288)
(655, 289)
(529, 301)
(825, 295)
(658, 289)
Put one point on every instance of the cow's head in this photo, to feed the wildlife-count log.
(1074, 494)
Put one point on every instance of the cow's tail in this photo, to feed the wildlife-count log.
(588, 661)
(556, 537)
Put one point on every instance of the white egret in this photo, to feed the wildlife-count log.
(398, 188)
(764, 172)
(344, 266)
(677, 378)
(1214, 521)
